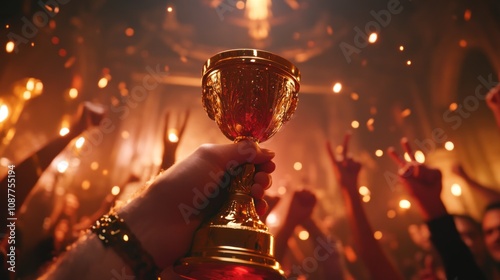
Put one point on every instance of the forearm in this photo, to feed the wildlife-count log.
(370, 249)
(333, 264)
(457, 258)
(482, 190)
(282, 239)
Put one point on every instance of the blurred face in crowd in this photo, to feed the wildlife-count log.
(470, 232)
(491, 231)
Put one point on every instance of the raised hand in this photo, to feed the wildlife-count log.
(346, 169)
(422, 182)
(493, 101)
(302, 205)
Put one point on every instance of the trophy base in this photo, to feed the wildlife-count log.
(241, 256)
(204, 268)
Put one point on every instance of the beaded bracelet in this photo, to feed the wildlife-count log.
(114, 233)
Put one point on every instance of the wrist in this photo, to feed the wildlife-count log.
(308, 224)
(433, 209)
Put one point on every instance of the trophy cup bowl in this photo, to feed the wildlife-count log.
(250, 94)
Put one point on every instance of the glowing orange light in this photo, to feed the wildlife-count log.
(62, 53)
(408, 62)
(62, 166)
(354, 124)
(303, 235)
(79, 142)
(449, 146)
(379, 153)
(129, 32)
(169, 9)
(373, 38)
(453, 106)
(406, 112)
(9, 47)
(272, 219)
(329, 30)
(115, 190)
(354, 96)
(73, 93)
(363, 190)
(94, 165)
(297, 166)
(4, 112)
(64, 131)
(27, 95)
(85, 185)
(369, 124)
(172, 135)
(282, 190)
(456, 190)
(401, 48)
(337, 87)
(404, 204)
(467, 15)
(419, 156)
(391, 214)
(462, 43)
(103, 82)
(240, 5)
(407, 157)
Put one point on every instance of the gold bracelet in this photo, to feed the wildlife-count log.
(114, 233)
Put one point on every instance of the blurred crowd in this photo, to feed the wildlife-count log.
(452, 246)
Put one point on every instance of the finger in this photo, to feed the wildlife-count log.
(267, 167)
(231, 154)
(260, 206)
(345, 145)
(395, 157)
(257, 191)
(330, 153)
(263, 179)
(406, 146)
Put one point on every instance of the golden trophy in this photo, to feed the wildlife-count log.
(250, 94)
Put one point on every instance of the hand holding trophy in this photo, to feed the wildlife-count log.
(250, 94)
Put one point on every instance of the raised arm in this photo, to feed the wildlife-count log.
(488, 194)
(300, 210)
(165, 217)
(346, 171)
(29, 170)
(424, 184)
(331, 258)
